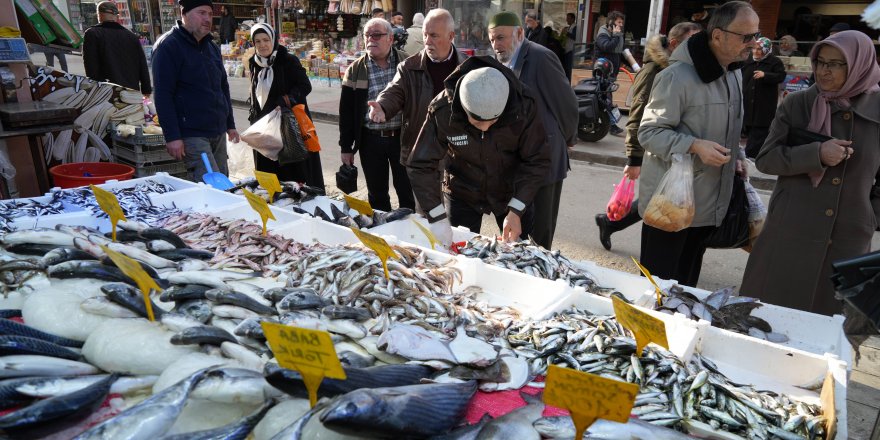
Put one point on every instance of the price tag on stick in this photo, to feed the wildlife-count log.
(311, 352)
(646, 327)
(378, 245)
(359, 205)
(650, 278)
(269, 182)
(260, 206)
(133, 270)
(110, 205)
(428, 234)
(589, 397)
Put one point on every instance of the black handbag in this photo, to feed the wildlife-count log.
(346, 178)
(800, 136)
(734, 230)
(293, 149)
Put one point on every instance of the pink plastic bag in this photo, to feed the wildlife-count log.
(621, 200)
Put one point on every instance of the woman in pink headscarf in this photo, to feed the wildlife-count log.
(824, 145)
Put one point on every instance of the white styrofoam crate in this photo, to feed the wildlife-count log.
(199, 199)
(406, 231)
(635, 288)
(773, 367)
(530, 295)
(164, 178)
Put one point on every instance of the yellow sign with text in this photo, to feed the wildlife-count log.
(269, 182)
(260, 206)
(378, 245)
(645, 327)
(650, 278)
(110, 205)
(589, 397)
(359, 205)
(133, 270)
(311, 352)
(428, 233)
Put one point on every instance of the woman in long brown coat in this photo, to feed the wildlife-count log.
(825, 205)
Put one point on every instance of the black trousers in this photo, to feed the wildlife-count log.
(378, 154)
(675, 255)
(546, 210)
(463, 214)
(757, 136)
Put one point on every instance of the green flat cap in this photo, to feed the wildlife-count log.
(505, 18)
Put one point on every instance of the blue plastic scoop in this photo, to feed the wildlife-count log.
(217, 180)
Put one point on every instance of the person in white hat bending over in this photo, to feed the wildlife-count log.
(486, 127)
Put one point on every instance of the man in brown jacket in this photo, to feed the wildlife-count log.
(486, 131)
(419, 79)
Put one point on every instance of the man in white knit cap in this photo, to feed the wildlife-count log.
(486, 127)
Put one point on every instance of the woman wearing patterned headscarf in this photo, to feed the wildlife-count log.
(275, 73)
(761, 78)
(826, 202)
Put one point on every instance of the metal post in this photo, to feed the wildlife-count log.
(655, 19)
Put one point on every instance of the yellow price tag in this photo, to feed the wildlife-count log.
(110, 205)
(646, 327)
(650, 278)
(428, 234)
(589, 397)
(260, 206)
(311, 352)
(133, 270)
(359, 205)
(378, 245)
(269, 182)
(826, 397)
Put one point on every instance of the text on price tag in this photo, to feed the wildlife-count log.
(645, 327)
(361, 206)
(311, 352)
(269, 182)
(589, 397)
(133, 270)
(378, 245)
(261, 207)
(110, 205)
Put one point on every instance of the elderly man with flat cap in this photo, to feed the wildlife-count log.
(540, 70)
(191, 91)
(484, 127)
(113, 53)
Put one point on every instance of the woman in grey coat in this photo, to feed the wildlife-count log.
(825, 205)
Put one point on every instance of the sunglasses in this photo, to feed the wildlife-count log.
(375, 37)
(746, 37)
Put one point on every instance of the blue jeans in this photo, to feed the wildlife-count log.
(216, 149)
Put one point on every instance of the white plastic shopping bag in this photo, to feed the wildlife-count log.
(265, 135)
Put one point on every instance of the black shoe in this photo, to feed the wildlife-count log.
(616, 131)
(604, 231)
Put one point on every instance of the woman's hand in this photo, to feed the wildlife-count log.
(758, 74)
(632, 172)
(834, 151)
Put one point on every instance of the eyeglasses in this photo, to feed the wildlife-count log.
(832, 66)
(375, 37)
(746, 37)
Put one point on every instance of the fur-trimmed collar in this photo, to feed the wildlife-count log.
(704, 61)
(655, 52)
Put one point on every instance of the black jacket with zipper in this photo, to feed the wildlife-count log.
(493, 171)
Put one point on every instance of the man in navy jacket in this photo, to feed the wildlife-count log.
(191, 91)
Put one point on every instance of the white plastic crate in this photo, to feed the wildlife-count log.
(164, 178)
(406, 231)
(199, 199)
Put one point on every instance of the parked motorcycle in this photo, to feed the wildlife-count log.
(595, 103)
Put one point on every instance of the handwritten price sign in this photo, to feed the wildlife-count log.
(645, 327)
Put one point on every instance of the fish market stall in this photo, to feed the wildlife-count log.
(426, 348)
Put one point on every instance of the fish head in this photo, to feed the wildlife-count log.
(358, 405)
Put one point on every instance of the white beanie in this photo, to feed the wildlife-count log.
(483, 93)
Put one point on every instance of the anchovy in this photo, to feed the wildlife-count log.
(34, 365)
(130, 298)
(205, 334)
(57, 413)
(10, 327)
(238, 430)
(148, 419)
(291, 382)
(23, 345)
(413, 410)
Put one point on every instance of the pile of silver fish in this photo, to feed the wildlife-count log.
(13, 209)
(235, 243)
(134, 201)
(722, 309)
(529, 258)
(693, 397)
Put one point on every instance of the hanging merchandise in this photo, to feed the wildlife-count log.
(340, 24)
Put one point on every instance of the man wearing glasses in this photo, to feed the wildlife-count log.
(696, 108)
(378, 142)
